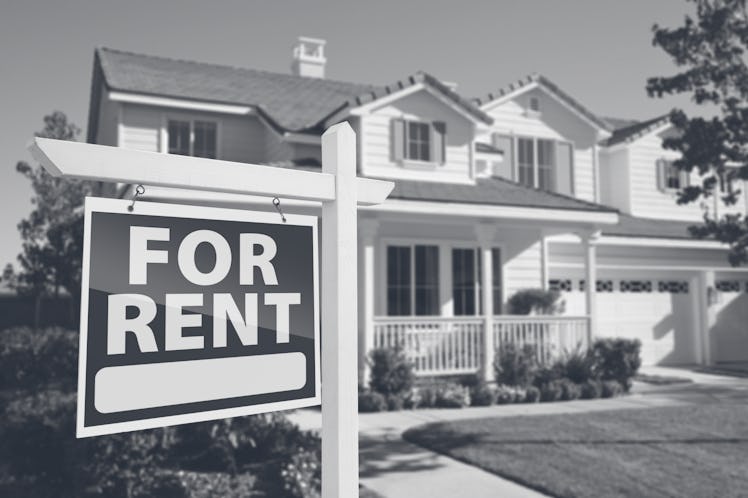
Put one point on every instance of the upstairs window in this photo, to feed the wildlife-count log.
(418, 141)
(538, 162)
(192, 138)
(534, 104)
(526, 161)
(669, 177)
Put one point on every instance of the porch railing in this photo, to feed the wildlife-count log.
(434, 345)
(455, 345)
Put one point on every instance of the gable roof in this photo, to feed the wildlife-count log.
(533, 79)
(633, 130)
(288, 102)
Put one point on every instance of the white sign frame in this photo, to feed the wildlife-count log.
(103, 205)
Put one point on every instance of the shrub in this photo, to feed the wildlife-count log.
(611, 388)
(442, 394)
(577, 366)
(592, 389)
(482, 395)
(371, 401)
(515, 366)
(510, 394)
(32, 359)
(211, 484)
(391, 371)
(532, 394)
(395, 402)
(302, 474)
(542, 302)
(616, 359)
(545, 374)
(569, 390)
(552, 391)
(412, 399)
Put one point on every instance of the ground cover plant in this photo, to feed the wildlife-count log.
(688, 451)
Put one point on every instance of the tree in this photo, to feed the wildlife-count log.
(710, 52)
(52, 234)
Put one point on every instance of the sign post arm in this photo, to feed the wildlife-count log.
(339, 333)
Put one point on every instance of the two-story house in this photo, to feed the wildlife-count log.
(524, 188)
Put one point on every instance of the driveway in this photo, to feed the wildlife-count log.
(395, 468)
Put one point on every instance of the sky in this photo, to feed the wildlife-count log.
(598, 51)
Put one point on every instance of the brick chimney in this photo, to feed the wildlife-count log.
(309, 58)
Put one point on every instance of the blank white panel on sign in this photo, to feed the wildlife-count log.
(133, 387)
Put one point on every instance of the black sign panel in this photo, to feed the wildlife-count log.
(192, 313)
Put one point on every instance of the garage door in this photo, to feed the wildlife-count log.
(729, 334)
(657, 312)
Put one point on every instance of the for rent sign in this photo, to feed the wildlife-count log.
(194, 313)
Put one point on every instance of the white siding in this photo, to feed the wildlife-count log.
(614, 179)
(141, 128)
(376, 145)
(554, 122)
(522, 265)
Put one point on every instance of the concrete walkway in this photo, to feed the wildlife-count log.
(395, 468)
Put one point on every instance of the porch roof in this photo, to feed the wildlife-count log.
(492, 191)
(632, 226)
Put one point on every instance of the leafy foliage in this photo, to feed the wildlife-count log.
(515, 366)
(391, 371)
(616, 359)
(33, 359)
(539, 301)
(710, 50)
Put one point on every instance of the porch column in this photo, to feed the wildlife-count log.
(367, 229)
(590, 289)
(707, 298)
(485, 234)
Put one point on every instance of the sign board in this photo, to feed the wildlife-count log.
(195, 313)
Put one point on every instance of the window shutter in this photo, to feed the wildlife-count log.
(398, 140)
(505, 168)
(564, 175)
(661, 175)
(438, 141)
(685, 179)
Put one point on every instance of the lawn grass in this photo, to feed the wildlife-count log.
(696, 451)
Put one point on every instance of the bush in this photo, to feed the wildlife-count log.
(542, 302)
(395, 402)
(569, 390)
(616, 359)
(482, 395)
(552, 391)
(510, 394)
(532, 394)
(33, 359)
(302, 474)
(391, 371)
(515, 366)
(371, 401)
(577, 366)
(592, 389)
(443, 395)
(611, 388)
(209, 485)
(545, 374)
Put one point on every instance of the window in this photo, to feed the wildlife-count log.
(669, 177)
(464, 288)
(535, 104)
(413, 264)
(417, 140)
(192, 138)
(546, 163)
(526, 161)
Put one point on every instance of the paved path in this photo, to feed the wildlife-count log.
(395, 468)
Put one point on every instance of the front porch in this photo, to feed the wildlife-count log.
(460, 345)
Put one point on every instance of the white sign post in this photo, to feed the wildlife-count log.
(339, 190)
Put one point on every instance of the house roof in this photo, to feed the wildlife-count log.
(632, 226)
(288, 102)
(629, 130)
(551, 87)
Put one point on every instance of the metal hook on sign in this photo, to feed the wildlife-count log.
(277, 204)
(139, 190)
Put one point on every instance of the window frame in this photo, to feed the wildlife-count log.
(421, 142)
(412, 284)
(192, 119)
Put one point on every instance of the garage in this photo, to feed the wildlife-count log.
(728, 336)
(659, 312)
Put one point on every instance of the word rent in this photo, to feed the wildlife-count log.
(255, 251)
